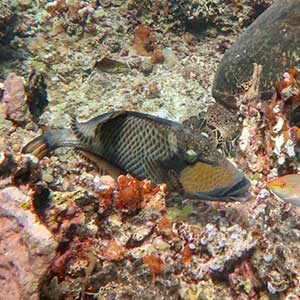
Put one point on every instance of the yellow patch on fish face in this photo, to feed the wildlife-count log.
(202, 177)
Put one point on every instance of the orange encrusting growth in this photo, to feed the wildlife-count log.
(155, 263)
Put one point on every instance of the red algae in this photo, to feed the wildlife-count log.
(128, 196)
(155, 263)
(145, 44)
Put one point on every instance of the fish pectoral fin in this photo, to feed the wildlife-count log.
(103, 165)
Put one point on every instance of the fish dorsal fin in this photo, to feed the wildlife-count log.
(85, 131)
(106, 118)
(114, 116)
(103, 166)
(75, 129)
(113, 120)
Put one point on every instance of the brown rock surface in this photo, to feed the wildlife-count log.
(14, 100)
(26, 248)
(270, 41)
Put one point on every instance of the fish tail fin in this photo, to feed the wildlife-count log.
(44, 144)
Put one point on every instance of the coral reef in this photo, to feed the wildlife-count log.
(269, 127)
(21, 99)
(125, 239)
(200, 15)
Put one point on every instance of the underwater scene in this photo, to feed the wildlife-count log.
(150, 150)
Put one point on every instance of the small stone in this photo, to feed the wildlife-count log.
(203, 242)
(7, 164)
(171, 60)
(48, 177)
(271, 289)
(161, 245)
(209, 227)
(28, 170)
(152, 91)
(215, 266)
(138, 237)
(104, 182)
(268, 258)
(147, 66)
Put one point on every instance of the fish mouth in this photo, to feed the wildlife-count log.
(237, 192)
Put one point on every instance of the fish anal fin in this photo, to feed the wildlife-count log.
(104, 166)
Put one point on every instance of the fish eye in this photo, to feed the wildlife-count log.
(191, 156)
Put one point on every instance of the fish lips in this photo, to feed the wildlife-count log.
(236, 192)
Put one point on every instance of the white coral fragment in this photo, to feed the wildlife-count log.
(279, 142)
(290, 148)
(279, 125)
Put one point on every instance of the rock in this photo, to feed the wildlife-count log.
(152, 91)
(170, 57)
(147, 66)
(26, 248)
(14, 100)
(37, 98)
(271, 41)
(8, 18)
(139, 236)
(7, 164)
(28, 170)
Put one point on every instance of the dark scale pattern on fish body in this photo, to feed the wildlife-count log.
(134, 145)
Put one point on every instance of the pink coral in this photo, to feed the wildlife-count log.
(14, 100)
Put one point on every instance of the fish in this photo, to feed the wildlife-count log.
(149, 147)
(287, 188)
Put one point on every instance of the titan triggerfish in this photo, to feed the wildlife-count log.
(148, 147)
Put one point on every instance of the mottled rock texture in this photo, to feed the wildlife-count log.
(14, 100)
(26, 248)
(271, 41)
(8, 18)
